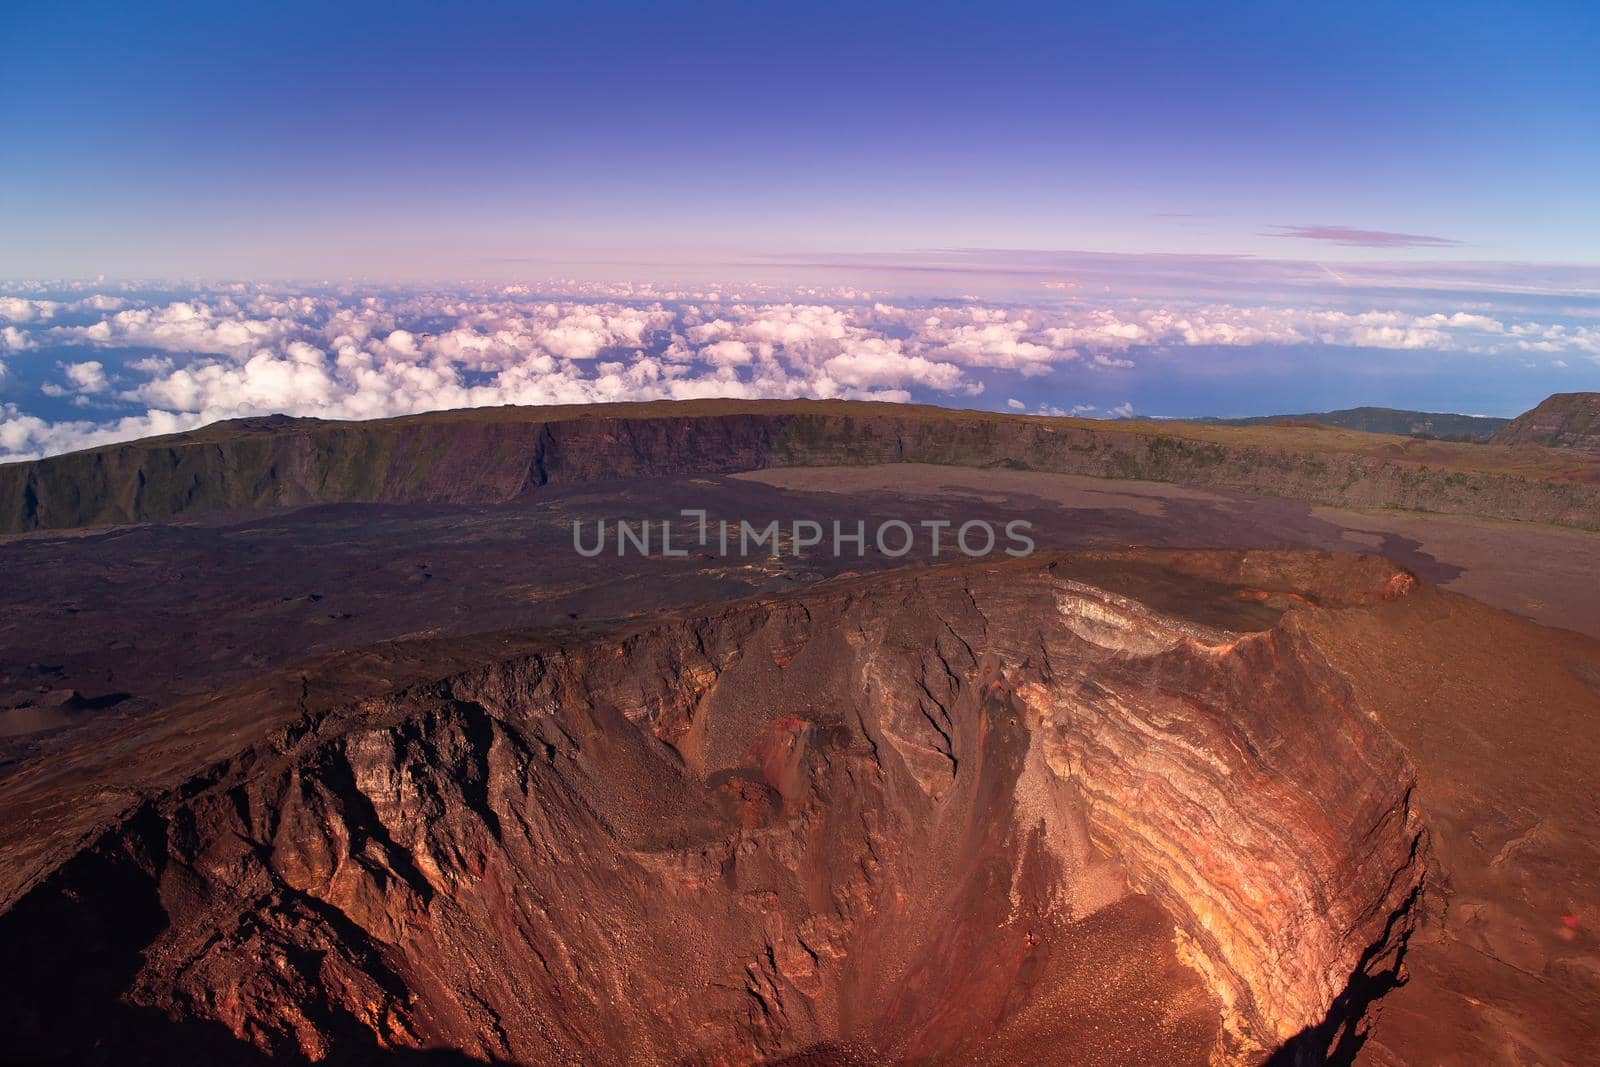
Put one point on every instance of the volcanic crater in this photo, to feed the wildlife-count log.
(1112, 806)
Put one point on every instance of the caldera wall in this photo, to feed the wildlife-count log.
(493, 457)
(961, 815)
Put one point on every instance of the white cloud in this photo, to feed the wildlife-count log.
(183, 326)
(245, 349)
(13, 339)
(21, 309)
(28, 436)
(881, 363)
(88, 377)
(727, 354)
(402, 342)
(990, 341)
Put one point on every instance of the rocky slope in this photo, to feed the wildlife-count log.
(491, 456)
(1501, 720)
(1010, 810)
(1565, 420)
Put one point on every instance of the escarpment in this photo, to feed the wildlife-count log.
(493, 456)
(1203, 817)
(972, 814)
(1565, 420)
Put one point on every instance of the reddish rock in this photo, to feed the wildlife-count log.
(973, 814)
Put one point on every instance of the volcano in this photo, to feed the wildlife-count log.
(369, 766)
(974, 813)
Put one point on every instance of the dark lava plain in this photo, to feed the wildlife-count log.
(100, 625)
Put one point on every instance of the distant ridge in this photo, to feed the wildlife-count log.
(1565, 420)
(1444, 426)
(492, 455)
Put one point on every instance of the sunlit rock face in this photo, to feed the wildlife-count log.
(974, 814)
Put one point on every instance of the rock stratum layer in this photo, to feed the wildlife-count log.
(1565, 420)
(495, 455)
(962, 814)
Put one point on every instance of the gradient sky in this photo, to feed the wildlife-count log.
(405, 140)
(1158, 209)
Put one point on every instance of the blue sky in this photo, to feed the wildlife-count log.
(1158, 208)
(428, 140)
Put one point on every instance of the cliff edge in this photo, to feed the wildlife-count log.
(1564, 420)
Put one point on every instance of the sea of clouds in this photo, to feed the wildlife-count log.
(83, 364)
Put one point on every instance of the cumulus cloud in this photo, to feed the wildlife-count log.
(13, 339)
(155, 365)
(881, 363)
(727, 354)
(25, 436)
(183, 326)
(23, 309)
(87, 377)
(987, 337)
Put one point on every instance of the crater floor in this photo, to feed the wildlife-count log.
(1123, 802)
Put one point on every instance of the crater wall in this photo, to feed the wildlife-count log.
(970, 814)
